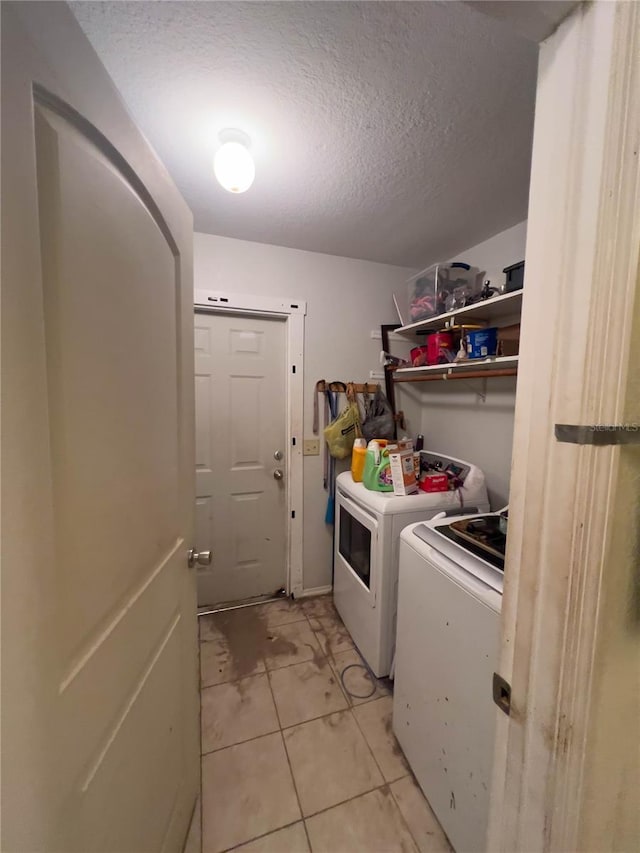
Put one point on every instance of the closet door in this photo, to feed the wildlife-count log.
(99, 667)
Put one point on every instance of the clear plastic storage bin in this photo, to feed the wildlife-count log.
(442, 288)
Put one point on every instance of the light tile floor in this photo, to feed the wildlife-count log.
(291, 761)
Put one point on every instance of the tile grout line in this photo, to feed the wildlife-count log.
(284, 746)
(366, 740)
(260, 837)
(314, 719)
(295, 787)
(402, 817)
(347, 696)
(238, 743)
(351, 799)
(304, 821)
(204, 687)
(306, 832)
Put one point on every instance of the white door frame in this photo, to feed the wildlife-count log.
(581, 279)
(293, 312)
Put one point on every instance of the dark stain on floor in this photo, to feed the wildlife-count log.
(249, 639)
(395, 746)
(318, 658)
(332, 721)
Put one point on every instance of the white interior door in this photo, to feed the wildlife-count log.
(567, 764)
(240, 451)
(99, 682)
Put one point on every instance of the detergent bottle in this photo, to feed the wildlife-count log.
(358, 458)
(377, 468)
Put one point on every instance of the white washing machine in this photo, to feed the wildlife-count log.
(367, 532)
(449, 602)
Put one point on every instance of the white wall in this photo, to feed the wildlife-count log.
(346, 300)
(455, 420)
(497, 252)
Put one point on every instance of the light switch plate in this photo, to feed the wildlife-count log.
(311, 447)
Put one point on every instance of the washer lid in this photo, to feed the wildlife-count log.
(474, 495)
(428, 532)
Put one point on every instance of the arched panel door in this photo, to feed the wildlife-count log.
(99, 657)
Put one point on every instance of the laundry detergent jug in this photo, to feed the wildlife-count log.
(358, 458)
(377, 468)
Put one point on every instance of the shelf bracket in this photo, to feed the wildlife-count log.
(482, 394)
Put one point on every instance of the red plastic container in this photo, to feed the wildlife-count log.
(419, 356)
(435, 344)
(434, 483)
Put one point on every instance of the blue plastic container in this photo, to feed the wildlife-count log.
(482, 343)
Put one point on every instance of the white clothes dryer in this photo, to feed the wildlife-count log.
(367, 532)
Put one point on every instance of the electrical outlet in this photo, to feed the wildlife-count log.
(311, 447)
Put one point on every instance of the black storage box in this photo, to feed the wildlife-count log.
(515, 277)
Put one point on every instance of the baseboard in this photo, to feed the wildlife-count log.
(316, 590)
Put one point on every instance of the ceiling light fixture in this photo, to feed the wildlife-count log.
(233, 164)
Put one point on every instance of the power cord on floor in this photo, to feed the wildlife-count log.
(372, 678)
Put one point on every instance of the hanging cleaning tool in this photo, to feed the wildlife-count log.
(340, 429)
(331, 411)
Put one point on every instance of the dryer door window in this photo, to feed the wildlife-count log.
(355, 545)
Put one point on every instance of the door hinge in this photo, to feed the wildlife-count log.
(502, 693)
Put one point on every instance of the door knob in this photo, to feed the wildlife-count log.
(202, 558)
(277, 474)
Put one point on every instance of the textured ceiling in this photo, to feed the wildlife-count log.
(398, 132)
(533, 19)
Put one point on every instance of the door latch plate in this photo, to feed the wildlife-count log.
(502, 693)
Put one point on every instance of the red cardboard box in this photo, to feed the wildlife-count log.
(434, 483)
